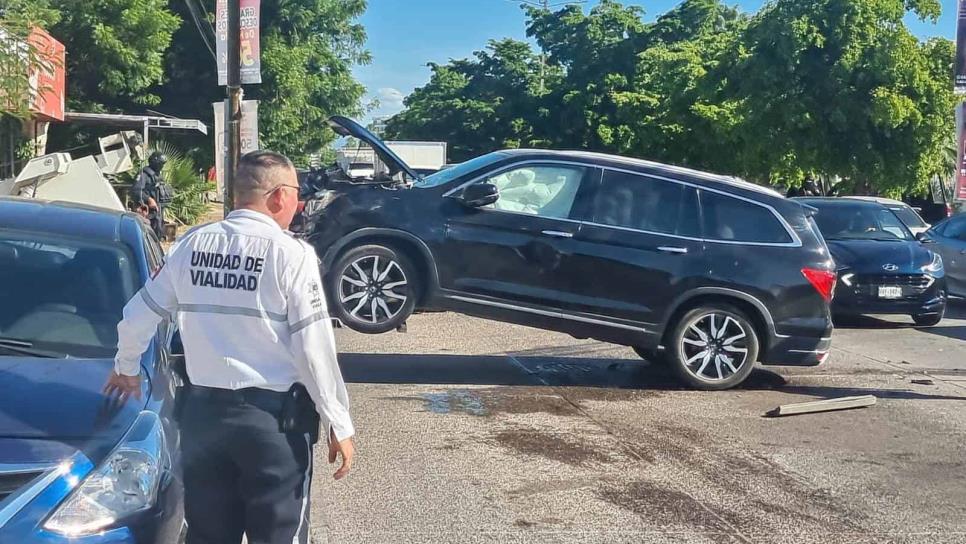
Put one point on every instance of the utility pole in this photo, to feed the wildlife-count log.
(545, 5)
(234, 101)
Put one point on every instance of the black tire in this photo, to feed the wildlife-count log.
(690, 351)
(928, 320)
(355, 293)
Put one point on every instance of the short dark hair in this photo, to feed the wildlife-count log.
(257, 172)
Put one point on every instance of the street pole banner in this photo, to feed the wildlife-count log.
(249, 136)
(251, 49)
(960, 75)
(960, 193)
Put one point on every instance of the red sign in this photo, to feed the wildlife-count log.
(47, 81)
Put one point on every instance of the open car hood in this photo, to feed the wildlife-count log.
(343, 126)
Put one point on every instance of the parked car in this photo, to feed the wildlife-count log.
(714, 272)
(882, 268)
(934, 207)
(949, 237)
(906, 213)
(74, 467)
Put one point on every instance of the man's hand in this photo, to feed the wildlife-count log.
(152, 204)
(124, 387)
(346, 448)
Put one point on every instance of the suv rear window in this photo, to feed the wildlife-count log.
(733, 220)
(645, 203)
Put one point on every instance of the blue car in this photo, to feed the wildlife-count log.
(76, 466)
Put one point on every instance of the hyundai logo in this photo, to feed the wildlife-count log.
(890, 267)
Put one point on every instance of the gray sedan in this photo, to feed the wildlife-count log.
(949, 239)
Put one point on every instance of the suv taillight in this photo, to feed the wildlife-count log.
(822, 280)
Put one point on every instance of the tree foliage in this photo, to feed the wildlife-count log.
(830, 88)
(131, 55)
(308, 50)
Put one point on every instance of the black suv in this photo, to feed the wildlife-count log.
(705, 272)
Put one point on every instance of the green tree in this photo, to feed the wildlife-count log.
(17, 54)
(479, 105)
(115, 50)
(308, 50)
(841, 88)
(596, 53)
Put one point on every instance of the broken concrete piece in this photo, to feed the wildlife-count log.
(827, 405)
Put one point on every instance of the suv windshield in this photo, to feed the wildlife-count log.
(449, 174)
(62, 295)
(908, 216)
(859, 222)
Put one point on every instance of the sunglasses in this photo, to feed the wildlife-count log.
(277, 187)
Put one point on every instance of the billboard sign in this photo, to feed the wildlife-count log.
(251, 54)
(960, 190)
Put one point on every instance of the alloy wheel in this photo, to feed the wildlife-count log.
(714, 346)
(373, 289)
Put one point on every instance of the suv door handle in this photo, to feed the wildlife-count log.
(668, 249)
(558, 234)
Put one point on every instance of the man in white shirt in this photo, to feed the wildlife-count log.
(261, 359)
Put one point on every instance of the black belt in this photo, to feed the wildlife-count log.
(270, 400)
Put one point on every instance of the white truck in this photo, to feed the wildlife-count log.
(362, 162)
(423, 157)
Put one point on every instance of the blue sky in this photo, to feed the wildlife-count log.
(406, 34)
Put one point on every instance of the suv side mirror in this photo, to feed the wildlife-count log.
(479, 195)
(924, 238)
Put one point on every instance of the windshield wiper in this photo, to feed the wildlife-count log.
(22, 347)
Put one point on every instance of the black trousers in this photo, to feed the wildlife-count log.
(242, 474)
(156, 219)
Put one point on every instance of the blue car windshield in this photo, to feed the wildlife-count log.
(449, 174)
(62, 295)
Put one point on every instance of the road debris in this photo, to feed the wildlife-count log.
(827, 405)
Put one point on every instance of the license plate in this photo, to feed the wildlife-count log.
(890, 291)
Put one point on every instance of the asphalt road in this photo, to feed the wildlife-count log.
(474, 431)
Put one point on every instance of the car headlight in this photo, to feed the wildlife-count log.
(935, 266)
(126, 483)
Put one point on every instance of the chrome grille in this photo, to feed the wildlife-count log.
(10, 482)
(913, 285)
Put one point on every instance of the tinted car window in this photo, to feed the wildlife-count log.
(859, 222)
(955, 229)
(731, 219)
(645, 203)
(63, 295)
(545, 191)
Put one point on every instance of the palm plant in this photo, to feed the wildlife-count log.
(190, 186)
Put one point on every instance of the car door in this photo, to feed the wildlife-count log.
(950, 238)
(516, 248)
(640, 242)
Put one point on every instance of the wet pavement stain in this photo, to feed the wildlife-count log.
(560, 447)
(461, 401)
(495, 401)
(668, 507)
(705, 457)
